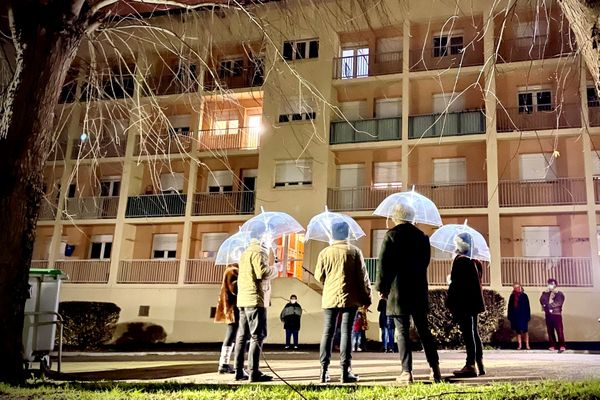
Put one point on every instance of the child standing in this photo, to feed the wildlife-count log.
(357, 331)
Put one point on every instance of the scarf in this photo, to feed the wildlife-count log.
(516, 298)
(552, 294)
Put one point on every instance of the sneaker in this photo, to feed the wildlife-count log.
(226, 369)
(468, 371)
(348, 377)
(241, 376)
(260, 377)
(359, 349)
(324, 376)
(295, 347)
(287, 347)
(405, 378)
(562, 349)
(552, 348)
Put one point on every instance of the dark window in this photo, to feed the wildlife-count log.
(544, 101)
(456, 45)
(107, 249)
(72, 190)
(228, 188)
(213, 312)
(67, 94)
(300, 50)
(144, 311)
(525, 103)
(313, 51)
(171, 254)
(440, 45)
(296, 117)
(214, 189)
(116, 188)
(288, 51)
(592, 97)
(96, 250)
(158, 254)
(311, 115)
(284, 118)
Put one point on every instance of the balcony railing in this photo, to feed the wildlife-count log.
(594, 114)
(369, 130)
(224, 203)
(229, 139)
(246, 78)
(152, 144)
(446, 124)
(47, 211)
(530, 118)
(533, 48)
(91, 207)
(364, 65)
(40, 263)
(560, 191)
(371, 264)
(597, 189)
(57, 151)
(148, 271)
(105, 148)
(568, 271)
(170, 83)
(358, 198)
(156, 205)
(203, 271)
(85, 271)
(456, 195)
(446, 57)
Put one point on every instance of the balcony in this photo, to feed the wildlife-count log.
(531, 118)
(366, 130)
(244, 78)
(244, 138)
(156, 205)
(177, 79)
(91, 207)
(203, 272)
(459, 195)
(594, 114)
(569, 271)
(152, 144)
(532, 48)
(148, 271)
(225, 203)
(39, 264)
(47, 211)
(57, 151)
(104, 148)
(362, 66)
(446, 124)
(371, 264)
(432, 58)
(358, 198)
(556, 192)
(85, 271)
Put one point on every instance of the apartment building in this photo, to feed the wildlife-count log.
(488, 112)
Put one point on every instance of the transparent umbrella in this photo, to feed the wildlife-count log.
(232, 248)
(409, 206)
(321, 226)
(270, 225)
(444, 239)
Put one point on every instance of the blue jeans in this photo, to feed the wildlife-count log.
(331, 315)
(253, 327)
(356, 340)
(291, 334)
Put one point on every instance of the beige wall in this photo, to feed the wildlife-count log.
(468, 87)
(41, 246)
(81, 235)
(421, 161)
(198, 229)
(235, 164)
(144, 234)
(154, 169)
(367, 158)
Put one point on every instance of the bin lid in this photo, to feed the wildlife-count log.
(45, 271)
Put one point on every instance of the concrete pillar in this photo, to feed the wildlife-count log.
(405, 98)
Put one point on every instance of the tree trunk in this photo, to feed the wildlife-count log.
(49, 34)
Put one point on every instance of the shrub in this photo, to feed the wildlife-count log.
(140, 333)
(88, 324)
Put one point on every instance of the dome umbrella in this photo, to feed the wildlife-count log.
(270, 225)
(409, 206)
(448, 237)
(321, 227)
(232, 248)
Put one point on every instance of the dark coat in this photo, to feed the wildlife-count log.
(402, 270)
(290, 316)
(465, 295)
(227, 304)
(554, 308)
(519, 314)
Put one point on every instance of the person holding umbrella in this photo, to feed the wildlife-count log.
(290, 316)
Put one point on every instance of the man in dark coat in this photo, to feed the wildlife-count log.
(402, 280)
(552, 301)
(290, 316)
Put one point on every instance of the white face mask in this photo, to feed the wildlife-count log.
(551, 287)
(293, 301)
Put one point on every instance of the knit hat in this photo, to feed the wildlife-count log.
(403, 213)
(339, 230)
(464, 244)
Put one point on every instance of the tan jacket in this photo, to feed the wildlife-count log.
(226, 305)
(254, 277)
(341, 269)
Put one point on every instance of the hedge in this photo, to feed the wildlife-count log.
(88, 324)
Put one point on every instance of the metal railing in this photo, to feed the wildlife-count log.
(533, 48)
(156, 205)
(456, 195)
(148, 271)
(47, 211)
(594, 114)
(91, 207)
(557, 191)
(446, 124)
(246, 78)
(366, 130)
(40, 264)
(430, 58)
(361, 66)
(105, 148)
(358, 198)
(170, 83)
(568, 271)
(538, 117)
(85, 271)
(242, 138)
(203, 271)
(371, 264)
(223, 203)
(153, 144)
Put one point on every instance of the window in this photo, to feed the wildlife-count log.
(444, 45)
(387, 46)
(387, 174)
(72, 190)
(220, 181)
(110, 187)
(598, 238)
(231, 68)
(536, 167)
(530, 101)
(100, 247)
(354, 110)
(449, 171)
(447, 102)
(180, 124)
(293, 173)
(596, 163)
(172, 182)
(529, 33)
(541, 241)
(354, 62)
(377, 237)
(164, 245)
(350, 175)
(186, 74)
(298, 109)
(592, 97)
(388, 108)
(300, 49)
(211, 243)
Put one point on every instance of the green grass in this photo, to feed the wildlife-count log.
(170, 391)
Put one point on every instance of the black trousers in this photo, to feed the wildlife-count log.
(554, 326)
(231, 332)
(470, 332)
(253, 327)
(402, 323)
(331, 315)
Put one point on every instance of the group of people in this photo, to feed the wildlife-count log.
(403, 290)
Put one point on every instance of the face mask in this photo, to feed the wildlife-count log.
(551, 287)
(293, 301)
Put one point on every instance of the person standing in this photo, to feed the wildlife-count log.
(465, 302)
(552, 301)
(341, 269)
(402, 280)
(357, 331)
(290, 316)
(228, 313)
(519, 314)
(253, 299)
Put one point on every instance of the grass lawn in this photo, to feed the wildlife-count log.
(164, 391)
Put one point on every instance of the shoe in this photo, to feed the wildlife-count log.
(562, 349)
(552, 348)
(241, 376)
(226, 369)
(324, 376)
(260, 377)
(527, 348)
(519, 348)
(359, 349)
(348, 377)
(480, 368)
(436, 374)
(405, 378)
(295, 347)
(468, 371)
(287, 347)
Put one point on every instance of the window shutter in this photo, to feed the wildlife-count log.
(164, 242)
(172, 182)
(220, 178)
(535, 167)
(388, 45)
(354, 110)
(387, 172)
(350, 175)
(293, 172)
(211, 243)
(449, 170)
(388, 108)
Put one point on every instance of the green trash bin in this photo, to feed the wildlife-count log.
(41, 317)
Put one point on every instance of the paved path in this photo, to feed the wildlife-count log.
(302, 367)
